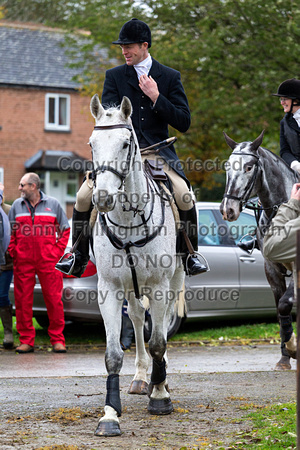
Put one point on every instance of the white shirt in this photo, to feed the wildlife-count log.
(297, 116)
(143, 68)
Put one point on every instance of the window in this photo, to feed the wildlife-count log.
(207, 228)
(1, 175)
(57, 112)
(245, 224)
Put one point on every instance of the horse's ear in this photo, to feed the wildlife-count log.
(126, 107)
(257, 143)
(232, 144)
(96, 108)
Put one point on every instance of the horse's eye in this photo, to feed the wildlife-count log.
(248, 168)
(125, 145)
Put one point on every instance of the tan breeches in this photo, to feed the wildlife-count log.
(183, 196)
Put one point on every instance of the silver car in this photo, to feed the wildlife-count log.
(234, 287)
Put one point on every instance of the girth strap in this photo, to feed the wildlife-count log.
(120, 245)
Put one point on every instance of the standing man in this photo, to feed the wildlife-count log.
(6, 273)
(158, 100)
(40, 232)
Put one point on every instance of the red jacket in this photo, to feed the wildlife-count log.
(39, 235)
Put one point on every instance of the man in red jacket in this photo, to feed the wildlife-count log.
(40, 233)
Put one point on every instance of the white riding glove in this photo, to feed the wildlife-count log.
(295, 165)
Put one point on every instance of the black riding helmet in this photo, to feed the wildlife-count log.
(290, 89)
(133, 32)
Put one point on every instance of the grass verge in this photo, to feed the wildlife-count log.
(213, 333)
(274, 427)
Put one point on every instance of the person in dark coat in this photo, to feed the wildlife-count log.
(159, 101)
(289, 93)
(6, 273)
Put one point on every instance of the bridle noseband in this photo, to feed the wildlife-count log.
(243, 199)
(132, 148)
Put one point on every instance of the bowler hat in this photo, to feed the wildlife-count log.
(134, 31)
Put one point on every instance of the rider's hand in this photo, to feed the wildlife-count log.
(296, 191)
(149, 87)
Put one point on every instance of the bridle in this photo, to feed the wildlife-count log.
(113, 238)
(243, 199)
(132, 150)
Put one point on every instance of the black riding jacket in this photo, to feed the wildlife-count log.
(289, 139)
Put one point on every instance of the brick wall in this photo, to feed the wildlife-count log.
(22, 131)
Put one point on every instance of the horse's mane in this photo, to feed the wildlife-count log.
(295, 175)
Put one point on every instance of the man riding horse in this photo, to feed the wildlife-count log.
(158, 99)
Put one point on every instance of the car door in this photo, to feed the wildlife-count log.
(255, 291)
(208, 293)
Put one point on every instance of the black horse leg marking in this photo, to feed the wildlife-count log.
(113, 393)
(159, 406)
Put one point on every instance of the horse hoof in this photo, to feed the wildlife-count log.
(160, 406)
(138, 387)
(283, 364)
(108, 429)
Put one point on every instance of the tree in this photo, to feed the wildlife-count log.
(232, 55)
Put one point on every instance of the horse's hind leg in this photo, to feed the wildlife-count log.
(285, 306)
(275, 274)
(111, 312)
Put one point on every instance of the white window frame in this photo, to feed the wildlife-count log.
(56, 126)
(1, 175)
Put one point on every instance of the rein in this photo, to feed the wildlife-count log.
(113, 238)
(244, 199)
(248, 189)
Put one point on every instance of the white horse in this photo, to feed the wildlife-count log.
(135, 250)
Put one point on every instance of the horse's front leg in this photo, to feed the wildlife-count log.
(111, 310)
(136, 312)
(160, 401)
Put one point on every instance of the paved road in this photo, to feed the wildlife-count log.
(50, 399)
(191, 359)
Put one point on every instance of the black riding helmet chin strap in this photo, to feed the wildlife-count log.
(295, 102)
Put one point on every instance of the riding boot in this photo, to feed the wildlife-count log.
(75, 263)
(6, 317)
(249, 245)
(189, 242)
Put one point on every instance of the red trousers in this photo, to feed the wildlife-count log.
(52, 283)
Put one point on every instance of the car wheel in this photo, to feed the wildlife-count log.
(174, 326)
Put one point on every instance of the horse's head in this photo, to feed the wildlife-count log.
(241, 172)
(112, 146)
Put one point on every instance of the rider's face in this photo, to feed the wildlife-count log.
(134, 53)
(286, 104)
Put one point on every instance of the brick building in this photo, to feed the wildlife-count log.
(45, 122)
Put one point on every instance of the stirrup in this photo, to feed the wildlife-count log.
(66, 259)
(207, 268)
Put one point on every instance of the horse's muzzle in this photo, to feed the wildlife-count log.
(103, 201)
